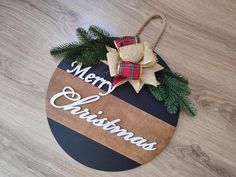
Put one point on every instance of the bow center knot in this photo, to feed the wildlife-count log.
(129, 70)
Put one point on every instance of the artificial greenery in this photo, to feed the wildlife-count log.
(91, 49)
(173, 90)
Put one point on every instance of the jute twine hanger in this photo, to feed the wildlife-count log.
(163, 18)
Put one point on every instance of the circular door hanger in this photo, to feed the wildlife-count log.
(105, 129)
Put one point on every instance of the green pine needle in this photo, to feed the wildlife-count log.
(98, 32)
(186, 105)
(171, 104)
(173, 90)
(175, 75)
(90, 50)
(101, 35)
(158, 92)
(97, 55)
(63, 49)
(83, 35)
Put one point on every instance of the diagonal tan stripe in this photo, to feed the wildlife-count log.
(132, 119)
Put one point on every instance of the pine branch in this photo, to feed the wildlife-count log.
(172, 104)
(61, 50)
(171, 99)
(98, 33)
(186, 105)
(97, 55)
(90, 50)
(83, 35)
(175, 75)
(177, 86)
(71, 56)
(157, 92)
(173, 90)
(102, 35)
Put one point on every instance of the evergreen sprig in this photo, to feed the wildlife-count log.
(91, 49)
(173, 90)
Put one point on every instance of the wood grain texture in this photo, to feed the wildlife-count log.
(200, 43)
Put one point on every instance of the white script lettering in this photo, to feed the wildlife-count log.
(85, 114)
(91, 78)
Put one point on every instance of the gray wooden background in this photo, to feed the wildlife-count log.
(200, 43)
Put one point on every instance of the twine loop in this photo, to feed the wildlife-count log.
(164, 23)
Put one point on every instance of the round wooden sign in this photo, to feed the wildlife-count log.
(105, 129)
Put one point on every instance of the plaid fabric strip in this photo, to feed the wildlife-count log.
(130, 70)
(126, 40)
(117, 80)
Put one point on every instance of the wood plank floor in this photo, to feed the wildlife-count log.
(200, 43)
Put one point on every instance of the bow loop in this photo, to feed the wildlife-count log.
(133, 53)
(125, 41)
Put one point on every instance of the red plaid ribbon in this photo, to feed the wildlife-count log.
(126, 40)
(130, 70)
(127, 69)
(117, 80)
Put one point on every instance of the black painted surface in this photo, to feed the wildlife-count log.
(89, 152)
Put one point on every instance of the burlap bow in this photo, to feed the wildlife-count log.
(133, 62)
